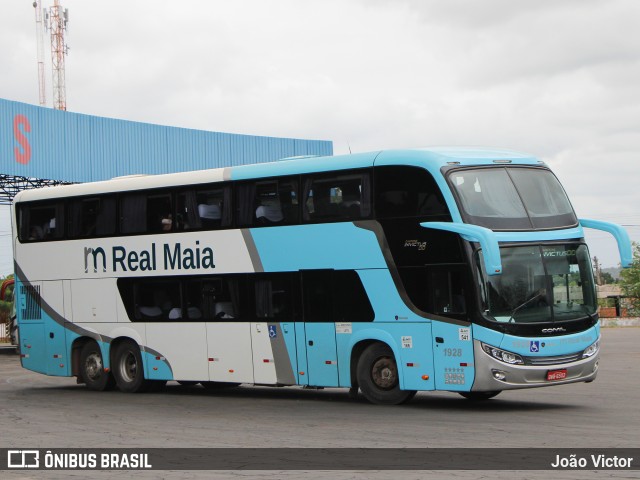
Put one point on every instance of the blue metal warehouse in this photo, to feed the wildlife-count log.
(38, 142)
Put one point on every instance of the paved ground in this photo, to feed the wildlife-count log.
(50, 412)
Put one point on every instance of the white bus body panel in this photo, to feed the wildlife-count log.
(184, 345)
(230, 356)
(93, 300)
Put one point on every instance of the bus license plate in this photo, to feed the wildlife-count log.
(557, 374)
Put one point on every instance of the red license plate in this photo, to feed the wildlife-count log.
(557, 374)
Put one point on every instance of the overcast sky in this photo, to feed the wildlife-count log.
(556, 78)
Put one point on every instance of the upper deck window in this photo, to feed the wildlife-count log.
(402, 192)
(512, 198)
(41, 221)
(337, 197)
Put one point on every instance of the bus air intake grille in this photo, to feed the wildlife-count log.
(32, 309)
(574, 357)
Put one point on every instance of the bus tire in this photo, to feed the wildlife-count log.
(92, 371)
(156, 386)
(479, 396)
(128, 368)
(378, 378)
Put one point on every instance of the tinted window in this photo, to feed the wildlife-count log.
(90, 217)
(351, 303)
(317, 296)
(436, 289)
(268, 202)
(329, 296)
(142, 213)
(335, 296)
(157, 300)
(337, 198)
(133, 213)
(185, 299)
(216, 298)
(204, 208)
(41, 221)
(407, 192)
(274, 296)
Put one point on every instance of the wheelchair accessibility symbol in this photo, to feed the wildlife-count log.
(534, 346)
(273, 332)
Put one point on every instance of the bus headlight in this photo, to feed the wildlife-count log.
(591, 350)
(502, 355)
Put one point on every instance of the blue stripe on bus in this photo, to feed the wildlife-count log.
(322, 246)
(384, 297)
(303, 165)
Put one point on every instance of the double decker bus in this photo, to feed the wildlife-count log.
(388, 273)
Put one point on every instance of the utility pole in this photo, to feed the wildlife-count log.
(37, 5)
(597, 270)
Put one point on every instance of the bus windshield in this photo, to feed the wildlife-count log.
(512, 198)
(539, 284)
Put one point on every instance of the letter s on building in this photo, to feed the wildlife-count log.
(22, 156)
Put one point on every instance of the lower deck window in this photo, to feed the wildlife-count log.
(311, 296)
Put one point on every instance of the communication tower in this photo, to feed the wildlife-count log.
(57, 23)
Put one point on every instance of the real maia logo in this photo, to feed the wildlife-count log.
(168, 256)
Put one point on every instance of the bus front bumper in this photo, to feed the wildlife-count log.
(492, 374)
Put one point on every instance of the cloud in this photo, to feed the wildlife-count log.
(559, 79)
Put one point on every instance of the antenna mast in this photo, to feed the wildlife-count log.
(40, 45)
(58, 20)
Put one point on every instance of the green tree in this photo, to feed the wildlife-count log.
(6, 308)
(607, 278)
(630, 279)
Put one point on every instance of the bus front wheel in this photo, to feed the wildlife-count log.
(378, 377)
(128, 369)
(92, 371)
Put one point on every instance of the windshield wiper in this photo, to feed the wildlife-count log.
(515, 310)
(592, 316)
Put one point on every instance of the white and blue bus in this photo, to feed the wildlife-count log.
(392, 272)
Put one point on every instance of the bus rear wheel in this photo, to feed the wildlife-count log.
(378, 378)
(92, 371)
(128, 369)
(479, 396)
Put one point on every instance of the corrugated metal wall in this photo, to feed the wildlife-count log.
(44, 143)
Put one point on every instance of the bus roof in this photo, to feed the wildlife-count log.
(432, 158)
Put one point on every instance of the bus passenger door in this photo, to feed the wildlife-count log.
(264, 367)
(320, 331)
(322, 356)
(453, 356)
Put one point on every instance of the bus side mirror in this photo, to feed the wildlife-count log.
(474, 233)
(619, 233)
